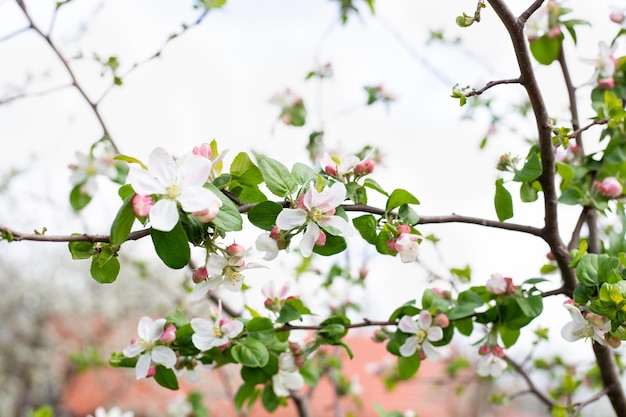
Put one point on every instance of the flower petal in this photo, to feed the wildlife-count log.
(409, 347)
(143, 182)
(156, 330)
(164, 215)
(194, 199)
(162, 166)
(143, 366)
(164, 355)
(408, 325)
(309, 237)
(338, 223)
(194, 171)
(430, 351)
(144, 327)
(232, 328)
(289, 218)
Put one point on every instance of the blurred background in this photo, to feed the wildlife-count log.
(184, 83)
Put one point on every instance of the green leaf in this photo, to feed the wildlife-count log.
(120, 229)
(509, 336)
(269, 399)
(166, 377)
(172, 247)
(261, 328)
(545, 49)
(408, 366)
(78, 199)
(587, 270)
(531, 170)
(254, 376)
(399, 197)
(370, 183)
(263, 215)
(228, 217)
(105, 266)
(503, 201)
(303, 174)
(293, 309)
(243, 169)
(528, 193)
(244, 393)
(333, 246)
(250, 352)
(277, 177)
(408, 215)
(82, 250)
(531, 306)
(367, 227)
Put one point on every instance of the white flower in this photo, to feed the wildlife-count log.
(288, 377)
(88, 168)
(225, 270)
(317, 209)
(605, 63)
(407, 246)
(537, 25)
(582, 327)
(490, 365)
(424, 333)
(175, 184)
(216, 333)
(265, 243)
(113, 412)
(147, 345)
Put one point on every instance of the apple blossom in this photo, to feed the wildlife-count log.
(113, 412)
(149, 347)
(214, 333)
(407, 247)
(605, 63)
(172, 184)
(609, 187)
(288, 377)
(490, 363)
(499, 285)
(265, 243)
(423, 333)
(585, 326)
(88, 167)
(315, 210)
(224, 269)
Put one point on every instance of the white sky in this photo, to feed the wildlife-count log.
(216, 82)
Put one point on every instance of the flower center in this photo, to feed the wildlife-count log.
(316, 214)
(217, 332)
(421, 335)
(172, 192)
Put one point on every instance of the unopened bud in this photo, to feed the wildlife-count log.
(617, 17)
(236, 250)
(203, 150)
(151, 372)
(141, 205)
(330, 170)
(321, 239)
(205, 216)
(441, 320)
(169, 334)
(484, 349)
(498, 351)
(404, 228)
(379, 336)
(199, 275)
(606, 83)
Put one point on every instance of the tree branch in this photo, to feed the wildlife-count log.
(490, 84)
(531, 385)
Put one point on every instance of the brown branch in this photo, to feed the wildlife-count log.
(580, 405)
(610, 378)
(573, 103)
(578, 131)
(64, 61)
(532, 388)
(492, 84)
(365, 323)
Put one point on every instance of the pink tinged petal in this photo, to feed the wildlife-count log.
(434, 334)
(289, 218)
(194, 171)
(430, 351)
(338, 223)
(162, 166)
(309, 237)
(164, 355)
(409, 347)
(143, 366)
(164, 215)
(283, 290)
(265, 243)
(144, 183)
(132, 350)
(269, 290)
(311, 197)
(232, 328)
(332, 196)
(156, 330)
(144, 328)
(193, 199)
(408, 325)
(201, 326)
(425, 320)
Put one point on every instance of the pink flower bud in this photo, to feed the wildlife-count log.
(606, 83)
(555, 32)
(441, 320)
(321, 239)
(498, 351)
(613, 342)
(364, 168)
(391, 244)
(169, 334)
(300, 203)
(151, 371)
(484, 349)
(200, 275)
(236, 250)
(141, 205)
(203, 150)
(207, 215)
(609, 187)
(510, 287)
(223, 347)
(422, 355)
(617, 17)
(330, 170)
(404, 228)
